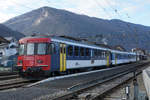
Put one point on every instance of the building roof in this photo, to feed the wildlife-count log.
(3, 40)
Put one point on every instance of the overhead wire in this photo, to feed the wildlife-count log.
(104, 9)
(129, 27)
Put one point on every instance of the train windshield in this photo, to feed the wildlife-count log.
(30, 48)
(21, 49)
(41, 49)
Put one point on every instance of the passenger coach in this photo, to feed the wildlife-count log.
(47, 55)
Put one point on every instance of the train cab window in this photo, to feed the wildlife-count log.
(76, 49)
(70, 50)
(41, 49)
(87, 52)
(81, 51)
(21, 49)
(30, 48)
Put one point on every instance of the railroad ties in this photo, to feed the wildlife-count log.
(11, 80)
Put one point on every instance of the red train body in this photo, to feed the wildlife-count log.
(28, 59)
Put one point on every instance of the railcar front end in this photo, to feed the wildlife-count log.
(34, 56)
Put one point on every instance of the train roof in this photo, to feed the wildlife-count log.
(78, 43)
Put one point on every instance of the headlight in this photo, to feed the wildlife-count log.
(39, 61)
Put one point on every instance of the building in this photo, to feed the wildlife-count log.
(8, 50)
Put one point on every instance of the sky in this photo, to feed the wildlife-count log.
(134, 11)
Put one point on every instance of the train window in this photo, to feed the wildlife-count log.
(50, 49)
(118, 56)
(53, 48)
(87, 52)
(30, 49)
(61, 50)
(81, 51)
(76, 51)
(95, 53)
(70, 50)
(99, 53)
(21, 49)
(41, 48)
(103, 54)
(64, 50)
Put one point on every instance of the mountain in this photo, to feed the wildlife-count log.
(7, 32)
(47, 20)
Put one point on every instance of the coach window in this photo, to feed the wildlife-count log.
(81, 51)
(53, 48)
(70, 50)
(87, 52)
(99, 53)
(95, 52)
(76, 51)
(119, 56)
(103, 54)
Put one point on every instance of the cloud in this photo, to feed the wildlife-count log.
(86, 7)
(94, 8)
(5, 17)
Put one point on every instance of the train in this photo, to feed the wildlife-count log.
(47, 56)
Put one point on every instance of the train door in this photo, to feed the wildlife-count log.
(108, 57)
(62, 57)
(115, 58)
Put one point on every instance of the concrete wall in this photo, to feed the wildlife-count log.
(146, 79)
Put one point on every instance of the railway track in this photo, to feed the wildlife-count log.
(7, 73)
(14, 83)
(96, 89)
(7, 77)
(11, 80)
